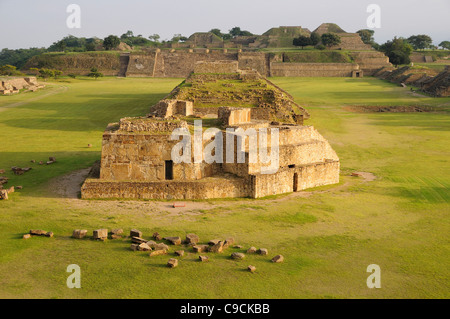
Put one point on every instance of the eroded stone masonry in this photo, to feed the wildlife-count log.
(137, 161)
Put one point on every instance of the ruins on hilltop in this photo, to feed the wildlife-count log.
(351, 58)
(137, 153)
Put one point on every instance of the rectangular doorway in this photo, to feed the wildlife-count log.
(295, 186)
(169, 169)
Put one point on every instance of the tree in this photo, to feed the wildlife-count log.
(398, 50)
(127, 35)
(330, 39)
(302, 41)
(178, 38)
(111, 42)
(46, 73)
(236, 31)
(445, 45)
(56, 73)
(421, 41)
(95, 74)
(154, 37)
(90, 46)
(8, 70)
(366, 35)
(217, 32)
(315, 38)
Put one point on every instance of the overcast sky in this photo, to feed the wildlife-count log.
(39, 23)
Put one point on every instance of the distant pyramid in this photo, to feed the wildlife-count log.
(328, 27)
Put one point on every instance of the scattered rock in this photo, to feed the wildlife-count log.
(100, 234)
(10, 190)
(49, 162)
(49, 234)
(2, 171)
(3, 180)
(172, 263)
(158, 252)
(26, 236)
(38, 232)
(157, 236)
(213, 242)
(19, 187)
(117, 231)
(89, 145)
(179, 253)
(79, 233)
(135, 233)
(134, 247)
(52, 159)
(33, 161)
(174, 240)
(251, 250)
(263, 251)
(144, 247)
(41, 163)
(217, 248)
(161, 246)
(200, 248)
(237, 256)
(138, 240)
(203, 258)
(19, 171)
(237, 246)
(3, 194)
(251, 268)
(278, 259)
(192, 239)
(228, 242)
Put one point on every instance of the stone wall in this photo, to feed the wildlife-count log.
(167, 108)
(216, 67)
(313, 69)
(296, 179)
(213, 187)
(234, 116)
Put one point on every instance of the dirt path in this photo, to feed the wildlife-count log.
(68, 187)
(60, 89)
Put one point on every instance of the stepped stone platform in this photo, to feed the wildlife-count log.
(137, 153)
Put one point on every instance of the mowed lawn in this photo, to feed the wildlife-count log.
(328, 236)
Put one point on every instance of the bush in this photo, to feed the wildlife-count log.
(320, 47)
(95, 74)
(71, 75)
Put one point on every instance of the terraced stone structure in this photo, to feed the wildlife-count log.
(137, 153)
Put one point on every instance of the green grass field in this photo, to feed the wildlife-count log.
(328, 235)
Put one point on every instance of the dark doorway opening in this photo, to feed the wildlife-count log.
(169, 169)
(295, 186)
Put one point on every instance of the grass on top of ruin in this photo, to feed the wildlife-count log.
(328, 236)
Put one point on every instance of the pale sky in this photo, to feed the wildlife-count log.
(38, 23)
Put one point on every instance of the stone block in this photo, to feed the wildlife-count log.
(79, 233)
(100, 234)
(172, 263)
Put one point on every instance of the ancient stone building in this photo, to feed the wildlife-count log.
(141, 157)
(12, 85)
